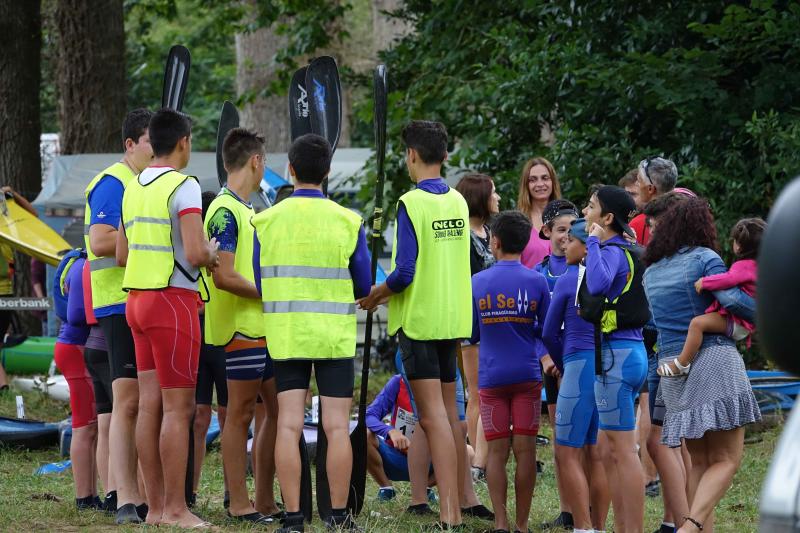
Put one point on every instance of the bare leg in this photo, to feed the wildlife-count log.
(178, 404)
(723, 455)
(291, 405)
(375, 463)
(708, 323)
(599, 492)
(202, 419)
(449, 397)
(81, 451)
(673, 477)
(122, 439)
(419, 465)
(469, 357)
(3, 375)
(468, 497)
(576, 486)
(339, 465)
(103, 423)
(624, 471)
(241, 406)
(497, 480)
(524, 478)
(642, 432)
(434, 419)
(563, 502)
(481, 449)
(265, 451)
(148, 429)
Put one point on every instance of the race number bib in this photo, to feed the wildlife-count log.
(405, 422)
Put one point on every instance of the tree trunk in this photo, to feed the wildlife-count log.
(91, 75)
(255, 71)
(20, 42)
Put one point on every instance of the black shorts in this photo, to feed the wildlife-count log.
(550, 388)
(335, 377)
(429, 359)
(211, 373)
(121, 352)
(5, 321)
(98, 367)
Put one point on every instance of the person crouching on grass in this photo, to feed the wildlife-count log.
(510, 303)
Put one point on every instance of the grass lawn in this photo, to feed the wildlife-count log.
(46, 503)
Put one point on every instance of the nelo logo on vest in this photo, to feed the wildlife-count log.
(451, 228)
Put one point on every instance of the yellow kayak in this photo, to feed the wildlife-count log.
(26, 233)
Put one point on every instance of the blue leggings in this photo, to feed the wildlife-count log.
(625, 369)
(576, 411)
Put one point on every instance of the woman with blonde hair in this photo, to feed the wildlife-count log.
(538, 185)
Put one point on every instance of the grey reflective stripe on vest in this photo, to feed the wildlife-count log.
(288, 271)
(102, 263)
(304, 306)
(147, 220)
(151, 247)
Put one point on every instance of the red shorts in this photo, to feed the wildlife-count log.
(515, 406)
(166, 334)
(69, 360)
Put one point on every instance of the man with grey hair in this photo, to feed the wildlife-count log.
(656, 176)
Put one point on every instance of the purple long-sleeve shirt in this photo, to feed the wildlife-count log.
(577, 333)
(509, 306)
(607, 273)
(360, 263)
(74, 329)
(405, 260)
(382, 405)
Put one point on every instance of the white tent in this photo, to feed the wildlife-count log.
(70, 174)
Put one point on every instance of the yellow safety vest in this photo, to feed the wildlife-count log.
(145, 215)
(437, 305)
(307, 291)
(226, 313)
(106, 276)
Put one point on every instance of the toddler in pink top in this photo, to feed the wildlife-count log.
(746, 235)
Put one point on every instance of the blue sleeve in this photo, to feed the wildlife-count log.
(551, 332)
(257, 262)
(601, 268)
(105, 201)
(361, 266)
(544, 304)
(223, 227)
(381, 406)
(407, 249)
(76, 314)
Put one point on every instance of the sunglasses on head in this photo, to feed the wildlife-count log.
(644, 164)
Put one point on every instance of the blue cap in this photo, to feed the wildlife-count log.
(578, 230)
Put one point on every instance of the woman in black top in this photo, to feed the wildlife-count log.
(483, 202)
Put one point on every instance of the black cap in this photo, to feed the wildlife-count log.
(555, 209)
(617, 201)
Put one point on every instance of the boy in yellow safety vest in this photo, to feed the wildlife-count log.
(429, 302)
(233, 320)
(312, 262)
(162, 244)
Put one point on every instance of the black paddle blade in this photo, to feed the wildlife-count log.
(358, 439)
(325, 99)
(228, 119)
(299, 113)
(306, 498)
(323, 488)
(176, 77)
(358, 477)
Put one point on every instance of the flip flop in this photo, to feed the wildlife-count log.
(665, 370)
(253, 518)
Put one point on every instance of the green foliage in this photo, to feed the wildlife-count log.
(711, 85)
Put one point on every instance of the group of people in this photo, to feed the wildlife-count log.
(176, 292)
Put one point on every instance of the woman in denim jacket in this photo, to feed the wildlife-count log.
(711, 405)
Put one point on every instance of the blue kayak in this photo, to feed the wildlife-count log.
(29, 434)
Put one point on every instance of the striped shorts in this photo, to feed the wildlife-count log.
(247, 359)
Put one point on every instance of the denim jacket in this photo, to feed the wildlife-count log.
(669, 284)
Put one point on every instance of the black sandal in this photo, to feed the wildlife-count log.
(253, 518)
(695, 522)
